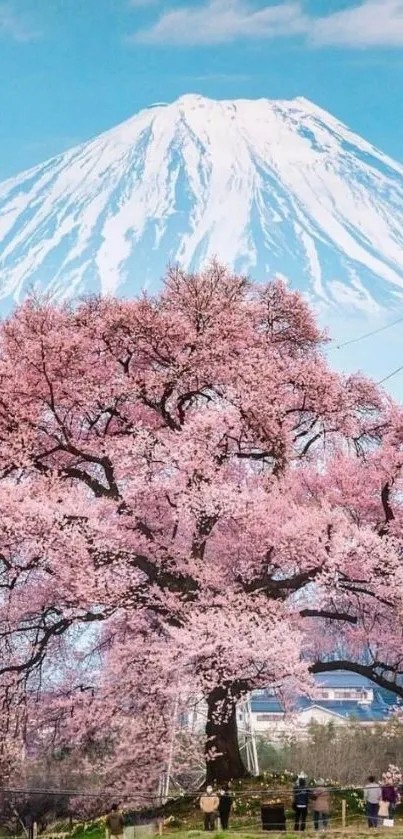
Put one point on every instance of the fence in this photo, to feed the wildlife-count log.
(182, 811)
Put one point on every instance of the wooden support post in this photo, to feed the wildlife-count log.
(343, 813)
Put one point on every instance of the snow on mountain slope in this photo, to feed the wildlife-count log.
(267, 186)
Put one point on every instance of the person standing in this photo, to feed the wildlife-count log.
(389, 796)
(209, 804)
(372, 799)
(321, 807)
(224, 808)
(29, 825)
(300, 804)
(115, 822)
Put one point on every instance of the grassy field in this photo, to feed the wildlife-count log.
(183, 819)
(191, 827)
(359, 830)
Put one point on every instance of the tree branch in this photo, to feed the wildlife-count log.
(368, 671)
(344, 617)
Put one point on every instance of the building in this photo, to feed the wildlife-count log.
(339, 698)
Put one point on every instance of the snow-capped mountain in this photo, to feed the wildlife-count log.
(266, 186)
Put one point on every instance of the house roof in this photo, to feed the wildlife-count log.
(376, 711)
(342, 679)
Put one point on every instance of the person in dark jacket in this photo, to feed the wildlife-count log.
(29, 825)
(224, 808)
(300, 804)
(389, 794)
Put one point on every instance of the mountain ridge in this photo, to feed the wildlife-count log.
(268, 186)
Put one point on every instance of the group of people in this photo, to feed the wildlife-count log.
(381, 800)
(216, 806)
(303, 797)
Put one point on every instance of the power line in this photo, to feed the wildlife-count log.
(390, 375)
(368, 334)
(189, 793)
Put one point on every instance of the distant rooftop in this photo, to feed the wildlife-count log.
(376, 710)
(343, 679)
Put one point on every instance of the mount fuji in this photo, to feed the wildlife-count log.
(269, 187)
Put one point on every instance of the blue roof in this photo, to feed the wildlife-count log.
(376, 711)
(342, 679)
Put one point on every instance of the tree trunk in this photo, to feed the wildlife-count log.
(223, 758)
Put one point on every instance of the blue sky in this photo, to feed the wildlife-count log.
(72, 68)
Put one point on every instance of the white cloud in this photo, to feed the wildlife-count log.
(365, 23)
(220, 21)
(373, 23)
(14, 26)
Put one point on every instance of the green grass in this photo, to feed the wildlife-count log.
(93, 831)
(360, 831)
(245, 823)
(248, 828)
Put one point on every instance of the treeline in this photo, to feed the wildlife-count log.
(346, 754)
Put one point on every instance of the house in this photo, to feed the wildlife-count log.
(339, 698)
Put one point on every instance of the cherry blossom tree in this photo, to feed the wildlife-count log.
(187, 484)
